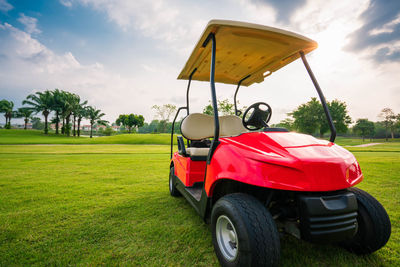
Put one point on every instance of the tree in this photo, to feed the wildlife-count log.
(164, 112)
(139, 121)
(307, 116)
(57, 106)
(69, 100)
(7, 107)
(77, 107)
(388, 118)
(63, 104)
(108, 131)
(37, 123)
(398, 121)
(130, 121)
(40, 102)
(224, 108)
(341, 119)
(81, 113)
(94, 116)
(25, 113)
(364, 127)
(287, 123)
(310, 117)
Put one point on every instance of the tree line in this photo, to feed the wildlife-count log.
(309, 118)
(67, 108)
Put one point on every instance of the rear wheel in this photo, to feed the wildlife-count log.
(244, 232)
(374, 226)
(172, 189)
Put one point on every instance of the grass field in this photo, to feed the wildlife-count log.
(110, 205)
(37, 137)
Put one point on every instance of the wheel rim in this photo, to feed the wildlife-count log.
(170, 183)
(227, 239)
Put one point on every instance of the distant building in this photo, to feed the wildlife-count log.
(21, 126)
(98, 127)
(116, 128)
(86, 128)
(53, 126)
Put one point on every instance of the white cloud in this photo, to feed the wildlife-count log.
(175, 27)
(30, 24)
(5, 6)
(386, 28)
(66, 3)
(30, 66)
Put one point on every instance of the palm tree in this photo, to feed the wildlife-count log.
(94, 115)
(69, 100)
(40, 102)
(7, 107)
(3, 108)
(81, 113)
(57, 105)
(25, 113)
(77, 108)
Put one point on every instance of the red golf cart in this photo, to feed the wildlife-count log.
(252, 181)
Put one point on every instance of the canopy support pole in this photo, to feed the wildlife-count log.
(215, 141)
(173, 128)
(321, 97)
(187, 91)
(238, 112)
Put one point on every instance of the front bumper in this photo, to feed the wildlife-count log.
(328, 217)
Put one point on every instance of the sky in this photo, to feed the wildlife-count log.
(124, 56)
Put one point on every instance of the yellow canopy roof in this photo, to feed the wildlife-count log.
(244, 49)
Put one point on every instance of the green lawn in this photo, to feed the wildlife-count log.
(37, 137)
(110, 205)
(344, 141)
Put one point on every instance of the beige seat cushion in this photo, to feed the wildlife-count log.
(231, 125)
(198, 126)
(197, 151)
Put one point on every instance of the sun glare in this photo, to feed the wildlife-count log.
(330, 44)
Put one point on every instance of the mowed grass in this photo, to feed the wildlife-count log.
(95, 208)
(38, 137)
(19, 136)
(110, 205)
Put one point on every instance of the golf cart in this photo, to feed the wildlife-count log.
(253, 182)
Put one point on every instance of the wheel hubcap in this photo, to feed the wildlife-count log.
(227, 238)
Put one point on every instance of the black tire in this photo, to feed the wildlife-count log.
(374, 226)
(258, 238)
(172, 189)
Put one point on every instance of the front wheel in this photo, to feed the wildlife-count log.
(244, 232)
(172, 188)
(374, 226)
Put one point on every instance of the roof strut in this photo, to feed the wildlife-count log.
(187, 91)
(238, 112)
(215, 141)
(173, 128)
(321, 97)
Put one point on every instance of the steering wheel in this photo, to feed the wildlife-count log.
(256, 116)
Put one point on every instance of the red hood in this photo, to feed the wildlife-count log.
(289, 145)
(319, 162)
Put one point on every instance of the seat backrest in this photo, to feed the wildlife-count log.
(231, 125)
(197, 126)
